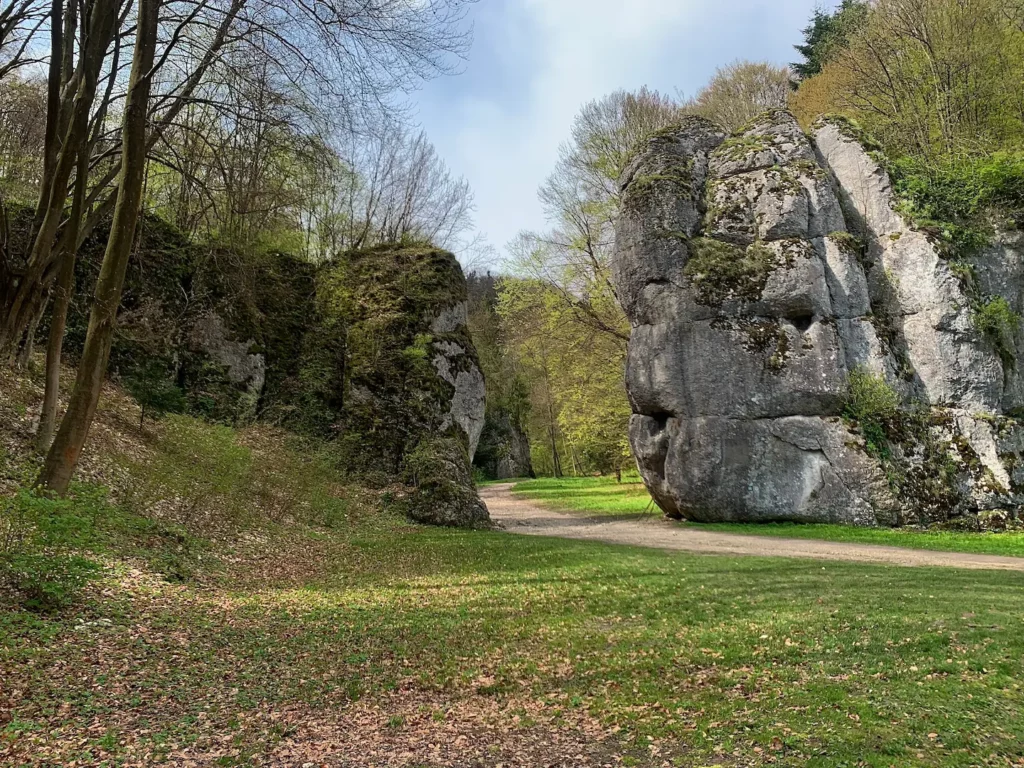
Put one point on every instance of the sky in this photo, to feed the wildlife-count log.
(534, 63)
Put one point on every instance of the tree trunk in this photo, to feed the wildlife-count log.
(67, 447)
(28, 344)
(61, 301)
(19, 300)
(54, 81)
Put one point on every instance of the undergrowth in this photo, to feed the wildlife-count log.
(872, 404)
(956, 198)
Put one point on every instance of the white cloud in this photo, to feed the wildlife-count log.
(557, 55)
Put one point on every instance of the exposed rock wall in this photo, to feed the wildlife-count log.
(759, 271)
(371, 352)
(415, 395)
(504, 451)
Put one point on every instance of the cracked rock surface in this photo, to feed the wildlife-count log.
(758, 272)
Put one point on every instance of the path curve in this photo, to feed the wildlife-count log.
(522, 516)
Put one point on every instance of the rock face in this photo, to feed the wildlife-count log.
(759, 272)
(370, 352)
(414, 396)
(504, 451)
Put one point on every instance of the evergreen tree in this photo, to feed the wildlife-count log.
(827, 34)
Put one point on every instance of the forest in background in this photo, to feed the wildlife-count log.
(934, 85)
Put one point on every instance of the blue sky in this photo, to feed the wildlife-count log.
(535, 62)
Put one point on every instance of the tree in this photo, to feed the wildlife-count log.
(740, 92)
(22, 291)
(260, 83)
(827, 35)
(561, 315)
(504, 437)
(63, 455)
(399, 188)
(343, 59)
(929, 78)
(20, 21)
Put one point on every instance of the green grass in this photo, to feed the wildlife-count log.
(318, 623)
(1002, 543)
(603, 496)
(712, 660)
(593, 495)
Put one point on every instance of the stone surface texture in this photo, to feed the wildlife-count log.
(758, 272)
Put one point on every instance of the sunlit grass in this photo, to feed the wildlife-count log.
(592, 495)
(810, 664)
(604, 496)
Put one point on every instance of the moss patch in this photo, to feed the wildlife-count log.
(720, 271)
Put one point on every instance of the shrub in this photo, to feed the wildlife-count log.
(999, 323)
(872, 403)
(154, 391)
(953, 197)
(48, 582)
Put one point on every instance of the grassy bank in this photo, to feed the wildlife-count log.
(604, 496)
(366, 642)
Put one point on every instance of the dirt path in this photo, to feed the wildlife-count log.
(524, 517)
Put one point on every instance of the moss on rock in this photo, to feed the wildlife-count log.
(721, 271)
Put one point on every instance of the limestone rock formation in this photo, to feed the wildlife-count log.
(504, 451)
(370, 352)
(414, 394)
(760, 271)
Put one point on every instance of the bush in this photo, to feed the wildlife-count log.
(872, 403)
(953, 197)
(721, 270)
(999, 323)
(48, 582)
(154, 391)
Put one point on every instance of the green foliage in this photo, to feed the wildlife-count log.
(828, 34)
(199, 470)
(954, 198)
(579, 413)
(419, 350)
(39, 541)
(722, 271)
(48, 582)
(1000, 324)
(378, 304)
(154, 390)
(872, 403)
(930, 78)
(848, 242)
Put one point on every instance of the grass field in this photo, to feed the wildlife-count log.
(603, 496)
(593, 495)
(313, 626)
(654, 656)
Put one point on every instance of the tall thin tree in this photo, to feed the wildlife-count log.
(74, 429)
